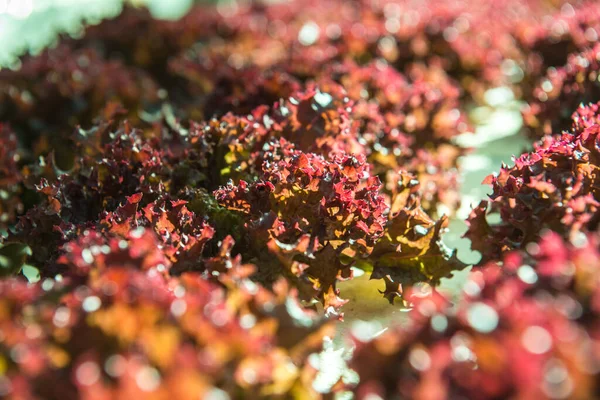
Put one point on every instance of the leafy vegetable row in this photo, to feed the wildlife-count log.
(189, 192)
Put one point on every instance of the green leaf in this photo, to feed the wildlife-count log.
(31, 273)
(13, 257)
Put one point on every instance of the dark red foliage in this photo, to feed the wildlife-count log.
(10, 178)
(554, 187)
(64, 87)
(586, 116)
(183, 234)
(108, 166)
(562, 90)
